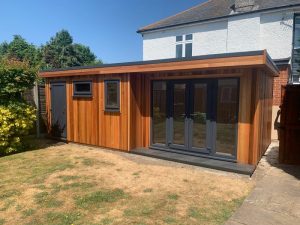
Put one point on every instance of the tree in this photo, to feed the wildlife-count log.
(19, 49)
(61, 52)
(15, 78)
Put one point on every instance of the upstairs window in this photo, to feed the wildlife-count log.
(179, 51)
(82, 88)
(179, 38)
(188, 50)
(112, 95)
(184, 46)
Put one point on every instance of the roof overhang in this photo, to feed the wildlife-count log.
(255, 59)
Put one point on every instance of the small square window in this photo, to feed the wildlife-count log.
(82, 88)
(179, 38)
(189, 37)
(179, 51)
(112, 95)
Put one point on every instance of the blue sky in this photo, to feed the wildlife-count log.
(107, 26)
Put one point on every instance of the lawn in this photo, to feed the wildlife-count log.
(73, 184)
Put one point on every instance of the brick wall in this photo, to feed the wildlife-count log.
(278, 82)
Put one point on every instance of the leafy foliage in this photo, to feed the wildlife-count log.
(15, 78)
(16, 117)
(19, 63)
(16, 120)
(19, 49)
(61, 52)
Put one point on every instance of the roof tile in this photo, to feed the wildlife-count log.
(213, 9)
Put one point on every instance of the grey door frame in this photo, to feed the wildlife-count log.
(59, 83)
(212, 92)
(189, 119)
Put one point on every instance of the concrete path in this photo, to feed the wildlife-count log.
(276, 197)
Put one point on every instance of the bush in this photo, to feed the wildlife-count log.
(16, 120)
(15, 78)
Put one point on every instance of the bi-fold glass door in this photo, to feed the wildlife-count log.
(197, 116)
(189, 115)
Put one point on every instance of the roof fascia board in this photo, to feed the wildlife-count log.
(231, 61)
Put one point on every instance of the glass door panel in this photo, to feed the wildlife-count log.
(199, 116)
(179, 114)
(159, 112)
(227, 112)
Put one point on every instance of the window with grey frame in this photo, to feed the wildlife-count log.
(82, 88)
(184, 46)
(112, 95)
(296, 51)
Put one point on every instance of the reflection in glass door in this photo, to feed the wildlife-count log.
(159, 112)
(199, 116)
(179, 115)
(226, 121)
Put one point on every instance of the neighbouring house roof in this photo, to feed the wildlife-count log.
(226, 60)
(282, 62)
(215, 9)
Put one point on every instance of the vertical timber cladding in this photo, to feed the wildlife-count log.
(87, 120)
(140, 112)
(255, 115)
(261, 115)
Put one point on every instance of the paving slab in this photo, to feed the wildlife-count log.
(276, 196)
(196, 160)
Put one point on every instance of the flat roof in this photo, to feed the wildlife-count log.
(214, 61)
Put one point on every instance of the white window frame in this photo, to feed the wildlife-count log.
(184, 42)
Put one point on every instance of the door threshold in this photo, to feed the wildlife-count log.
(197, 161)
(196, 154)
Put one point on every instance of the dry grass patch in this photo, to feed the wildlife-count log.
(73, 184)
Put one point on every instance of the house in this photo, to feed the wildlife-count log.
(225, 26)
(198, 93)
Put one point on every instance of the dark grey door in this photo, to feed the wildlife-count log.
(58, 110)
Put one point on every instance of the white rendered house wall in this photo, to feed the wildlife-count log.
(272, 31)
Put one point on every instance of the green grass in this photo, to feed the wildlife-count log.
(196, 213)
(74, 186)
(28, 212)
(137, 173)
(173, 197)
(44, 199)
(59, 218)
(7, 204)
(93, 162)
(170, 220)
(2, 221)
(97, 199)
(68, 178)
(107, 221)
(217, 213)
(9, 193)
(148, 190)
(144, 211)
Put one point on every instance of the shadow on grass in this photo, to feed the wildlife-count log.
(32, 143)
